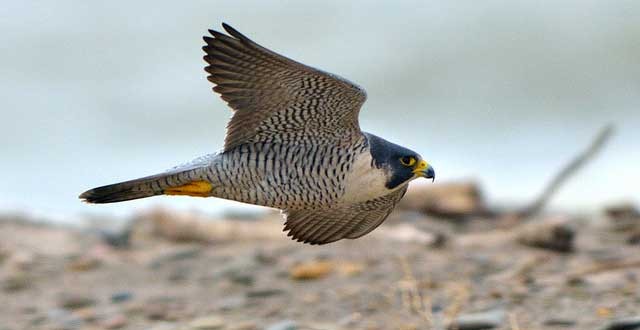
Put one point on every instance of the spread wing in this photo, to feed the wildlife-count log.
(277, 99)
(329, 225)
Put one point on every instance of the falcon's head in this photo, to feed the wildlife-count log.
(401, 164)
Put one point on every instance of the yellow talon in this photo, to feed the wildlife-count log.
(194, 188)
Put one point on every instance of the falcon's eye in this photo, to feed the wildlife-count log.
(407, 161)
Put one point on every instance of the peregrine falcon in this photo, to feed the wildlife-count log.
(293, 143)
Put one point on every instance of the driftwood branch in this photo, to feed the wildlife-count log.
(570, 169)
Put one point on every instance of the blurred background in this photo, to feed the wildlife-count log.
(502, 93)
(497, 95)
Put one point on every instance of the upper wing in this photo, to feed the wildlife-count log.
(278, 99)
(329, 225)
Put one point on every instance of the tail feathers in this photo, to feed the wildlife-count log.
(124, 191)
(173, 183)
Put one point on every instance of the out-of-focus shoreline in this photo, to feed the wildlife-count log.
(435, 263)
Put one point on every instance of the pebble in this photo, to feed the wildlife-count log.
(84, 263)
(22, 260)
(173, 256)
(231, 303)
(156, 311)
(311, 270)
(283, 325)
(75, 300)
(630, 323)
(164, 308)
(64, 320)
(164, 326)
(16, 281)
(242, 278)
(4, 254)
(244, 326)
(456, 200)
(264, 293)
(115, 322)
(479, 321)
(408, 233)
(551, 234)
(207, 323)
(264, 258)
(120, 297)
(87, 314)
(179, 274)
(117, 239)
(241, 271)
(557, 322)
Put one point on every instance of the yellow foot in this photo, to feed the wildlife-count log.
(194, 188)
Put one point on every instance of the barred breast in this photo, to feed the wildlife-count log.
(286, 176)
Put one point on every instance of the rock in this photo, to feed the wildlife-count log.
(241, 271)
(242, 278)
(175, 255)
(311, 270)
(83, 263)
(87, 314)
(156, 311)
(197, 228)
(64, 320)
(74, 300)
(623, 216)
(408, 233)
(264, 258)
(16, 281)
(115, 322)
(231, 303)
(120, 239)
(21, 261)
(265, 293)
(558, 322)
(326, 326)
(456, 200)
(163, 308)
(120, 297)
(630, 323)
(207, 323)
(350, 269)
(4, 254)
(244, 326)
(552, 234)
(283, 325)
(479, 321)
(622, 210)
(179, 274)
(164, 326)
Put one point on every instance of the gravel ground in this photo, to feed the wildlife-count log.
(414, 272)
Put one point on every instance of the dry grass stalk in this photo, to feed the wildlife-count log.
(412, 298)
(513, 321)
(459, 293)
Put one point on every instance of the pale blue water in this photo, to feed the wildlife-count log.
(503, 93)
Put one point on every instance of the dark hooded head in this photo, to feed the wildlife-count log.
(401, 164)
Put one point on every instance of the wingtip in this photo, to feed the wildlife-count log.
(85, 197)
(233, 32)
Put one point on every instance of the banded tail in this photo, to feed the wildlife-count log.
(176, 182)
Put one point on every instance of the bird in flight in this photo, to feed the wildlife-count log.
(293, 143)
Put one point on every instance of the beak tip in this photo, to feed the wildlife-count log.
(430, 173)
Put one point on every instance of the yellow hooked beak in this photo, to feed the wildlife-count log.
(424, 170)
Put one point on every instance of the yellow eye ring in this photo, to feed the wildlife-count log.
(407, 161)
